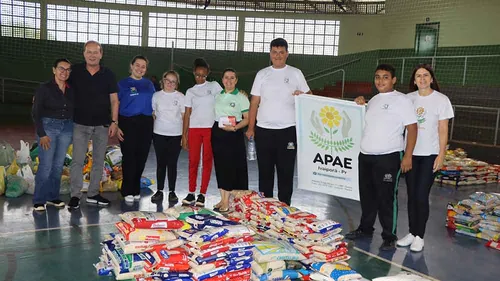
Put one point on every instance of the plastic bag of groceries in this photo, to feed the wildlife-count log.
(16, 186)
(23, 154)
(3, 174)
(26, 173)
(7, 154)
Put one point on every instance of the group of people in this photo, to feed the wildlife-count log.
(208, 121)
(402, 134)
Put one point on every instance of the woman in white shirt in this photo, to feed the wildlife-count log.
(198, 121)
(433, 111)
(168, 114)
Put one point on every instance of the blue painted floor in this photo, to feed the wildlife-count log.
(62, 245)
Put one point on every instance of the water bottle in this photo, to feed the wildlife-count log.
(251, 153)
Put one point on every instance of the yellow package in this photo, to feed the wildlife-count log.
(3, 174)
(13, 168)
(70, 150)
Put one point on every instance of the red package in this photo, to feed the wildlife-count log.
(494, 245)
(222, 241)
(170, 260)
(239, 273)
(217, 278)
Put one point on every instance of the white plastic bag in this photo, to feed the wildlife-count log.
(26, 173)
(23, 154)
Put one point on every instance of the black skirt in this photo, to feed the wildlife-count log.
(230, 159)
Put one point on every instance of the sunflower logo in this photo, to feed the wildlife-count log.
(330, 121)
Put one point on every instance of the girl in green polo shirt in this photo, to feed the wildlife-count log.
(228, 143)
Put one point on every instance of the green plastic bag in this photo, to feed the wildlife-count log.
(16, 186)
(7, 154)
(34, 153)
(65, 185)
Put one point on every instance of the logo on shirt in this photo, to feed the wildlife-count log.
(331, 130)
(387, 178)
(176, 102)
(290, 145)
(385, 106)
(420, 111)
(133, 92)
(232, 104)
(287, 80)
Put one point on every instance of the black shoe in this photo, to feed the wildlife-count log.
(388, 245)
(57, 203)
(39, 207)
(158, 196)
(172, 197)
(358, 233)
(189, 200)
(74, 203)
(200, 202)
(98, 199)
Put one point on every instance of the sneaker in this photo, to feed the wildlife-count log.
(172, 197)
(200, 201)
(417, 245)
(129, 198)
(137, 197)
(99, 200)
(358, 233)
(406, 241)
(39, 207)
(189, 200)
(388, 245)
(57, 203)
(84, 189)
(74, 203)
(158, 196)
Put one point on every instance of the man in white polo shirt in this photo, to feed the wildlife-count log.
(381, 160)
(273, 106)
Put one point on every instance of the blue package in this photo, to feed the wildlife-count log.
(239, 254)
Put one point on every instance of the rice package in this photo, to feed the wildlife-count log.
(131, 247)
(137, 234)
(126, 266)
(175, 260)
(268, 267)
(336, 271)
(266, 251)
(151, 220)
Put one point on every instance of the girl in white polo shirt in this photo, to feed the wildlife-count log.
(433, 111)
(168, 112)
(198, 121)
(228, 140)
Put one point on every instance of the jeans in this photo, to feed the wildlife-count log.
(81, 136)
(48, 176)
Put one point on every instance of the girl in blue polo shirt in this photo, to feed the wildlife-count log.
(228, 140)
(136, 126)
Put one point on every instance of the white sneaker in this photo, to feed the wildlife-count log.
(406, 241)
(129, 198)
(137, 197)
(84, 189)
(417, 245)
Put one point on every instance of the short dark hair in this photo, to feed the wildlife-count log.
(279, 42)
(201, 62)
(139, 57)
(92, 42)
(434, 84)
(229, 69)
(57, 61)
(387, 67)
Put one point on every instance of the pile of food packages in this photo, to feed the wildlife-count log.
(263, 239)
(18, 169)
(477, 216)
(458, 170)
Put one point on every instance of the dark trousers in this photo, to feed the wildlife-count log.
(167, 149)
(137, 134)
(276, 148)
(419, 181)
(230, 159)
(378, 190)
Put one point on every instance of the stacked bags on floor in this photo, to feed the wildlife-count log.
(477, 216)
(145, 246)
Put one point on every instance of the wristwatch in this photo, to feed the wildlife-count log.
(116, 122)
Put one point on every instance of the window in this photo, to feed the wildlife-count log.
(155, 3)
(193, 31)
(309, 37)
(20, 19)
(80, 24)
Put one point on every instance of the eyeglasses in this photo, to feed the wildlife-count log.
(200, 75)
(62, 69)
(169, 81)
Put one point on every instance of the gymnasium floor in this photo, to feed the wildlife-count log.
(63, 245)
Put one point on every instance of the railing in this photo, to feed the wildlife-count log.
(475, 124)
(330, 73)
(17, 90)
(433, 62)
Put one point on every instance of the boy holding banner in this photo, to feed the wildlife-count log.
(381, 160)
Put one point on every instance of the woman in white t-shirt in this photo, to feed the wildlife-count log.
(198, 121)
(433, 111)
(168, 114)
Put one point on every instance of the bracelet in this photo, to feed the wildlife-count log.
(234, 129)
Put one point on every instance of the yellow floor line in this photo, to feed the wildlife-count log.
(395, 264)
(53, 228)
